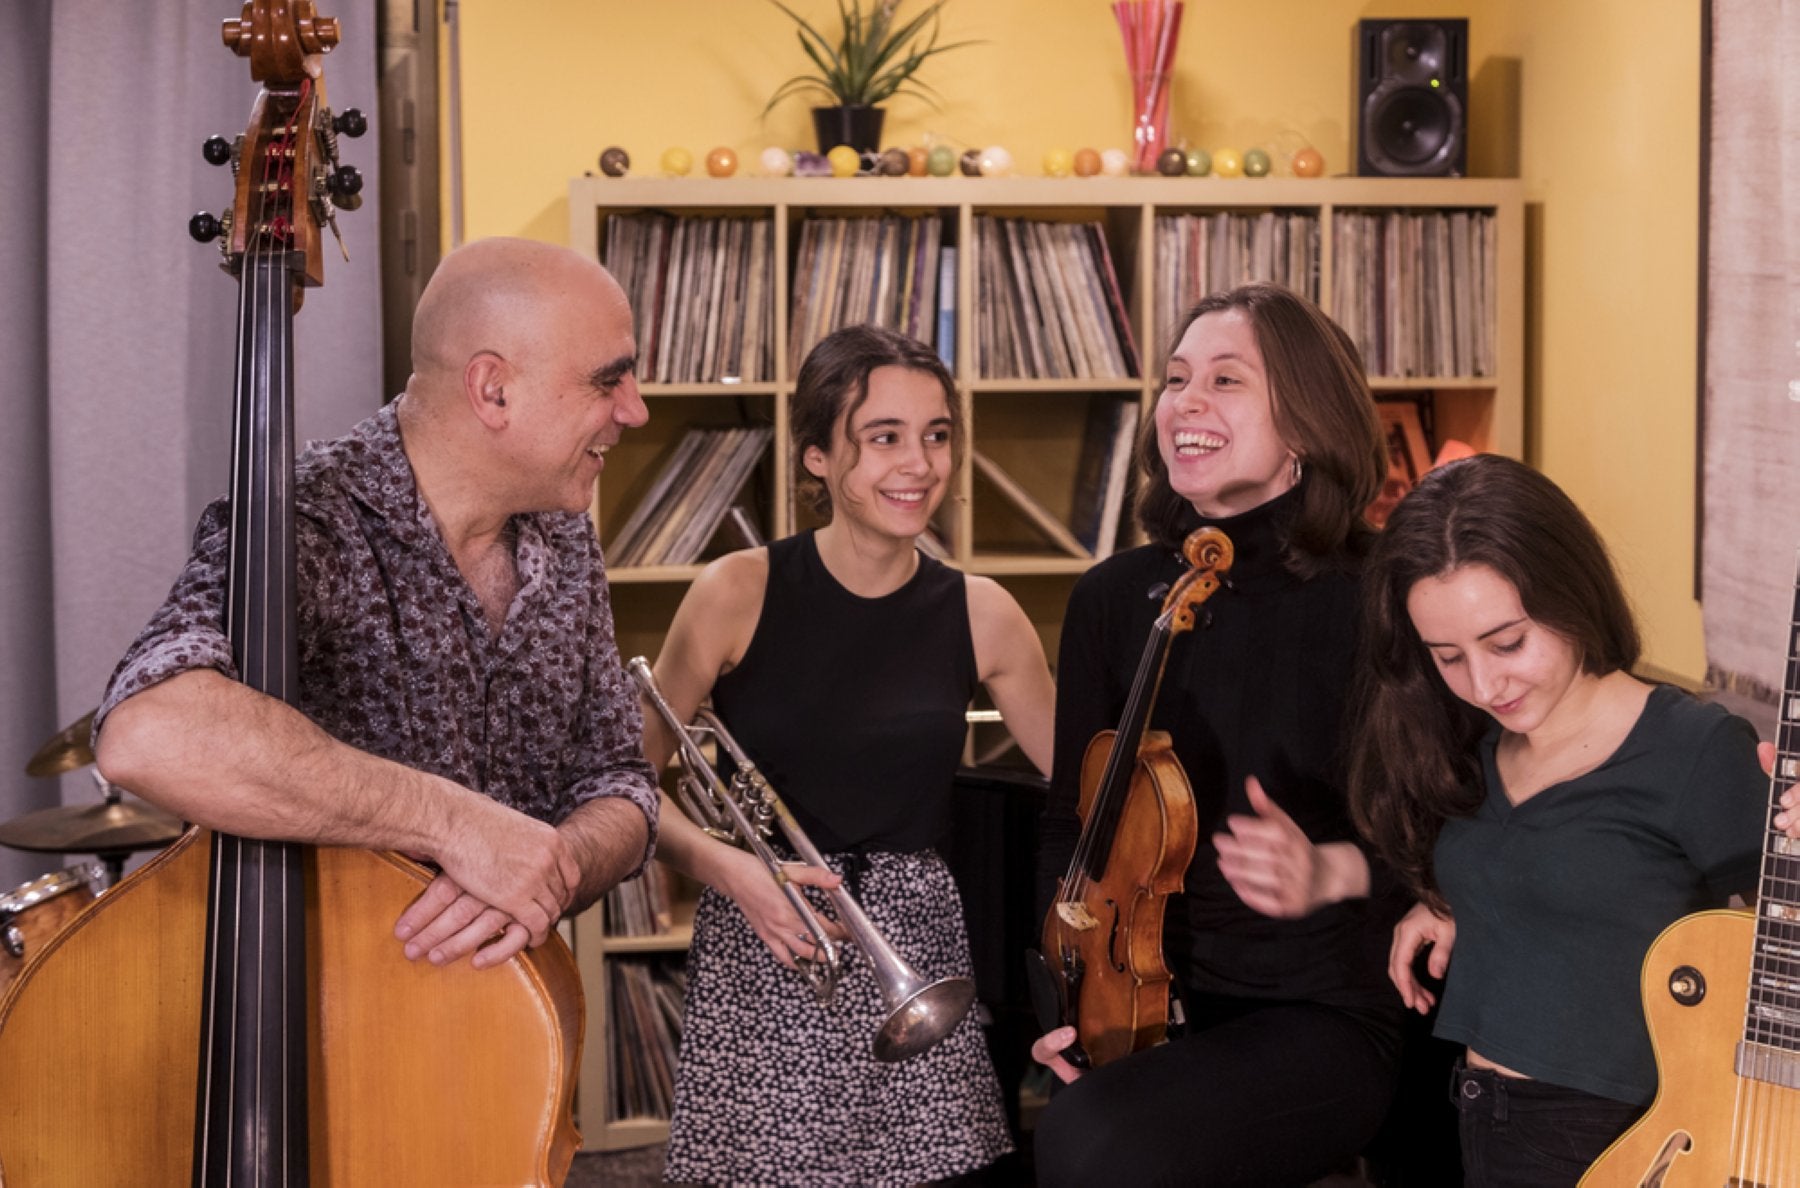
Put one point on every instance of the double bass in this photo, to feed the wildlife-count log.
(238, 1011)
(1101, 967)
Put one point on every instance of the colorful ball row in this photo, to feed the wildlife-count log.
(994, 161)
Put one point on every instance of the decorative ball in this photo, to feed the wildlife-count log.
(721, 162)
(970, 163)
(995, 161)
(917, 160)
(1114, 163)
(777, 162)
(895, 163)
(1059, 162)
(677, 161)
(1172, 162)
(1087, 162)
(1308, 163)
(1227, 163)
(811, 165)
(1256, 163)
(1199, 162)
(844, 161)
(615, 162)
(940, 161)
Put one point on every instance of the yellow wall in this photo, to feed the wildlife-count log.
(1594, 103)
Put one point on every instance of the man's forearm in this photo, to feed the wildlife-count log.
(607, 837)
(222, 755)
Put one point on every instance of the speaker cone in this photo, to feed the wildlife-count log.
(1411, 129)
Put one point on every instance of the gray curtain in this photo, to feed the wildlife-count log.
(118, 333)
(1752, 382)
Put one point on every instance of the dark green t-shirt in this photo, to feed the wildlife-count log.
(1557, 899)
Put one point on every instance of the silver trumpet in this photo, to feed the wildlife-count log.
(745, 812)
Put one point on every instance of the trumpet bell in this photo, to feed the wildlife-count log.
(923, 1018)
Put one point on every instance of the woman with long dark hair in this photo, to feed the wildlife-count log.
(1551, 811)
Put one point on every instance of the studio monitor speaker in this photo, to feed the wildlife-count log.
(1412, 98)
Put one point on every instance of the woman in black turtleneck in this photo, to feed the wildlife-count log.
(1265, 429)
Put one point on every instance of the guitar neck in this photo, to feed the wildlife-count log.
(1771, 1047)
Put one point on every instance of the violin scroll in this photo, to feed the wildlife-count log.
(1209, 553)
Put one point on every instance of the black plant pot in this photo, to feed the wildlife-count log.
(858, 127)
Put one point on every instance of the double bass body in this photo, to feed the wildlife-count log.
(418, 1074)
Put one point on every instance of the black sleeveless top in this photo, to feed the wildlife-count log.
(853, 707)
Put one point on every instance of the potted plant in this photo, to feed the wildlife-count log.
(874, 58)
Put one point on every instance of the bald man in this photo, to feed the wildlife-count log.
(461, 696)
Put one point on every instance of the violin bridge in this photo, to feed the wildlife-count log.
(1076, 916)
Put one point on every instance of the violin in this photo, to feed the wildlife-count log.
(238, 1011)
(1101, 968)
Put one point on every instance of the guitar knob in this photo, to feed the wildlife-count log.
(350, 122)
(204, 227)
(216, 150)
(344, 182)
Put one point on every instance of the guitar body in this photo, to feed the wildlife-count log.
(1122, 1004)
(419, 1075)
(1708, 1126)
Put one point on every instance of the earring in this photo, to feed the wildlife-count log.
(1299, 468)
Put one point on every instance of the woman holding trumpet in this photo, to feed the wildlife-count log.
(842, 661)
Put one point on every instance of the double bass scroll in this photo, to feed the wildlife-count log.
(1101, 967)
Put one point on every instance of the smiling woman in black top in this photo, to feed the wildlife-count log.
(1265, 429)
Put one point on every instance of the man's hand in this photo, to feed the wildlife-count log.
(445, 924)
(510, 862)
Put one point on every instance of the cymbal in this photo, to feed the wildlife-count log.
(110, 827)
(71, 748)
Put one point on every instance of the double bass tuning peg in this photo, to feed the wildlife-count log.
(216, 150)
(350, 122)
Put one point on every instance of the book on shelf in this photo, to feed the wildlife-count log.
(1052, 529)
(1414, 289)
(644, 1025)
(946, 306)
(640, 906)
(699, 289)
(884, 270)
(1044, 310)
(690, 496)
(1103, 473)
(1212, 251)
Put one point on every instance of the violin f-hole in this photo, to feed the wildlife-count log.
(1112, 938)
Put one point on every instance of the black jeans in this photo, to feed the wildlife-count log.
(1519, 1133)
(1256, 1095)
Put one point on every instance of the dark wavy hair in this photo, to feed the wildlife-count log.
(1414, 760)
(1323, 412)
(834, 382)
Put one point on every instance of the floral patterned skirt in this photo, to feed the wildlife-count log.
(774, 1088)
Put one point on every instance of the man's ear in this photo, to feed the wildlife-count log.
(484, 387)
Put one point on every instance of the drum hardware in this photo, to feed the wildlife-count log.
(31, 914)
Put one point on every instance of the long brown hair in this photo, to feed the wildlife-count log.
(1414, 760)
(834, 383)
(1323, 412)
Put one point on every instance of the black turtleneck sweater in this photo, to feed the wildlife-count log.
(1259, 687)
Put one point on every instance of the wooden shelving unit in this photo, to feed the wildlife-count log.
(1031, 427)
